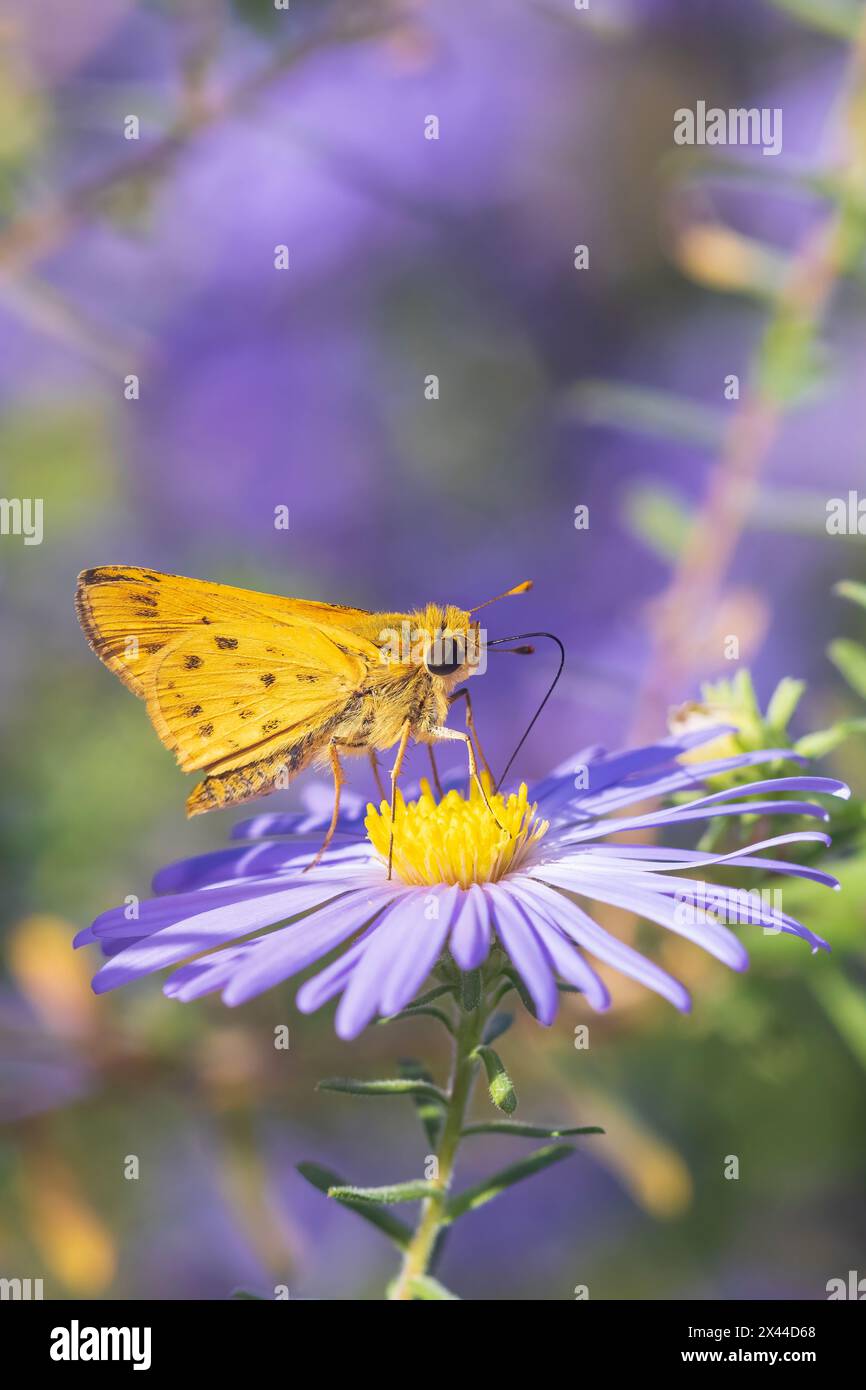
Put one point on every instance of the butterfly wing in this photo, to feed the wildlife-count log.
(243, 685)
(130, 616)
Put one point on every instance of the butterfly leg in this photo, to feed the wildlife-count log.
(437, 783)
(395, 773)
(470, 725)
(337, 769)
(440, 734)
(374, 763)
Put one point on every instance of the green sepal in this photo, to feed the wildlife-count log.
(499, 1084)
(429, 1112)
(431, 995)
(496, 1026)
(393, 1086)
(485, 1191)
(470, 990)
(422, 1010)
(324, 1180)
(389, 1195)
(515, 982)
(426, 1288)
(523, 1130)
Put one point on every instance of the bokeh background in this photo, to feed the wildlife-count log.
(304, 388)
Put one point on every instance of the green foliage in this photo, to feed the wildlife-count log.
(426, 1289)
(646, 411)
(328, 1182)
(659, 517)
(848, 588)
(429, 1110)
(392, 1194)
(499, 1084)
(522, 1130)
(485, 1191)
(840, 19)
(850, 658)
(393, 1086)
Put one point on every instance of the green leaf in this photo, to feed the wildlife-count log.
(849, 588)
(499, 1083)
(389, 1195)
(823, 741)
(841, 19)
(850, 659)
(244, 1294)
(658, 517)
(426, 1288)
(522, 1130)
(645, 411)
(845, 1005)
(783, 702)
(792, 363)
(324, 1180)
(394, 1086)
(491, 1187)
(429, 1111)
(497, 1025)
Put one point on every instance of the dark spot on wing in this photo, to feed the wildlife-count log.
(145, 599)
(193, 711)
(245, 714)
(310, 680)
(98, 577)
(226, 644)
(268, 679)
(192, 663)
(270, 726)
(207, 621)
(205, 730)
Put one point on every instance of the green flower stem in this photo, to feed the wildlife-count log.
(434, 1212)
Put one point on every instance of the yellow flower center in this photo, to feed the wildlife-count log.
(456, 840)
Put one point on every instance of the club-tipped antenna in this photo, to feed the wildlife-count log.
(518, 637)
(518, 589)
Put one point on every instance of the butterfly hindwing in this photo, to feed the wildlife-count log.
(217, 695)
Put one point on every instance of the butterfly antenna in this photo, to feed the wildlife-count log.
(518, 637)
(518, 589)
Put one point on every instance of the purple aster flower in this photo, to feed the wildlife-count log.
(465, 883)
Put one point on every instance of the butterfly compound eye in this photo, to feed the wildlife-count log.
(447, 654)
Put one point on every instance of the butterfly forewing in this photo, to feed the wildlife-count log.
(234, 681)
